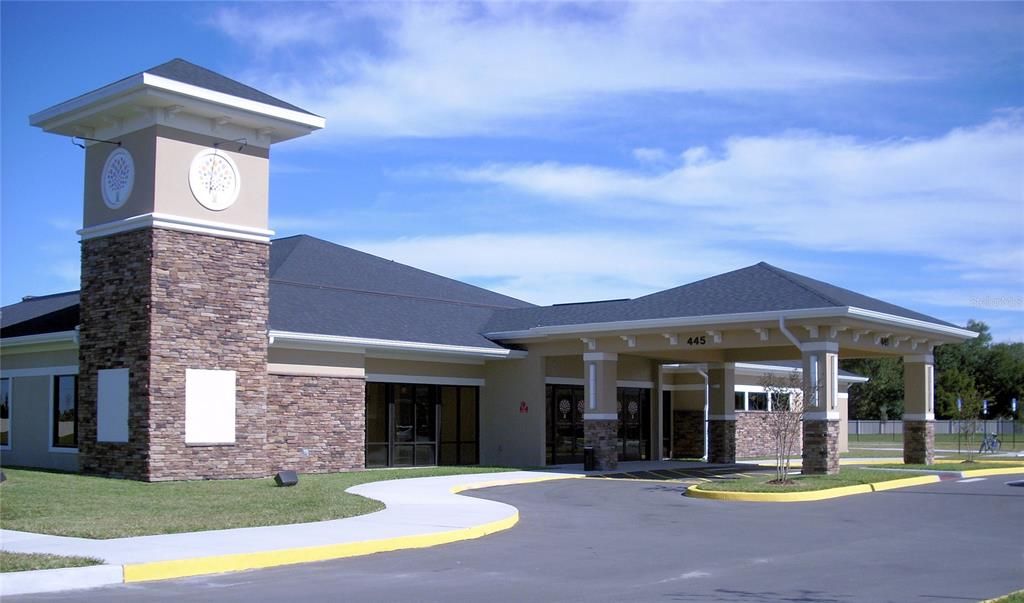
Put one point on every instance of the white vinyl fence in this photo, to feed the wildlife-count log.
(943, 426)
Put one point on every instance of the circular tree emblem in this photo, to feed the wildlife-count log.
(564, 407)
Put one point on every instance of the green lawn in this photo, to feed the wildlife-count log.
(23, 562)
(847, 476)
(1017, 597)
(68, 504)
(951, 466)
(943, 440)
(855, 453)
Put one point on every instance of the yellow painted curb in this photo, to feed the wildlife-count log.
(905, 482)
(813, 495)
(180, 568)
(999, 471)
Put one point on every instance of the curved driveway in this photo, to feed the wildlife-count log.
(610, 540)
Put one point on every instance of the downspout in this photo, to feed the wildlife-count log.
(789, 335)
(707, 384)
(814, 361)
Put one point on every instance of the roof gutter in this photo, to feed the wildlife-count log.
(342, 343)
(742, 317)
(41, 342)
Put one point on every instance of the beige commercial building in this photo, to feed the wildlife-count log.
(198, 347)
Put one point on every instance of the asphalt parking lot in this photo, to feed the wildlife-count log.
(634, 540)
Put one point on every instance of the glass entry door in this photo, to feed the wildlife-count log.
(565, 424)
(634, 419)
(415, 426)
(405, 423)
(564, 419)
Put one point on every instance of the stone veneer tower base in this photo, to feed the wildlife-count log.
(158, 302)
(687, 433)
(821, 447)
(721, 441)
(602, 435)
(919, 442)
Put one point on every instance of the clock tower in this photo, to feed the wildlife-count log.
(175, 246)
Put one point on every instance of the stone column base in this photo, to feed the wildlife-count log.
(919, 442)
(688, 433)
(821, 447)
(603, 435)
(721, 441)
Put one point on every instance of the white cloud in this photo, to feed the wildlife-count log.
(650, 155)
(956, 198)
(553, 268)
(450, 69)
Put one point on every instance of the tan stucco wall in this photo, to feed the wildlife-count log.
(142, 146)
(568, 367)
(175, 150)
(162, 158)
(507, 436)
(427, 369)
(635, 368)
(688, 400)
(30, 427)
(38, 360)
(315, 358)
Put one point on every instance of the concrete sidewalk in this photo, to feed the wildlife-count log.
(420, 512)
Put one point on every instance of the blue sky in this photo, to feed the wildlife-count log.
(562, 152)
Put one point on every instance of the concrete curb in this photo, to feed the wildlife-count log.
(41, 581)
(813, 495)
(56, 580)
(986, 472)
(182, 568)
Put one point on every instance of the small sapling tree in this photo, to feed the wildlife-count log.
(967, 416)
(784, 422)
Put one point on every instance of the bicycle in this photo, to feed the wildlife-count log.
(990, 444)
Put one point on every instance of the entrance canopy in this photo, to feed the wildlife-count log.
(756, 313)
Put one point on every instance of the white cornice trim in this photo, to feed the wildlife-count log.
(45, 342)
(685, 387)
(723, 319)
(310, 370)
(909, 322)
(142, 81)
(306, 119)
(660, 323)
(342, 343)
(744, 368)
(179, 223)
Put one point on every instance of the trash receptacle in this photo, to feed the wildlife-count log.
(589, 463)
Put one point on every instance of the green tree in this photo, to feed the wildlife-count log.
(951, 385)
(881, 397)
(997, 370)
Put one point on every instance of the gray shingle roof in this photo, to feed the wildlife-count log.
(323, 288)
(182, 71)
(37, 315)
(320, 287)
(758, 288)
